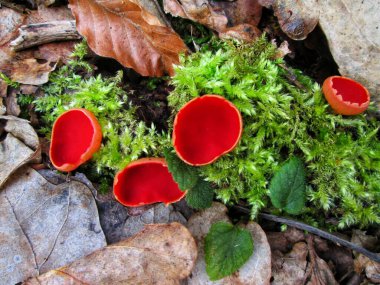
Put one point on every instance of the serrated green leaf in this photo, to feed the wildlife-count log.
(185, 175)
(201, 195)
(288, 187)
(227, 248)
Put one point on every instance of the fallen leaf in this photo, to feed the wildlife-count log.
(3, 88)
(296, 18)
(120, 30)
(23, 67)
(256, 271)
(54, 225)
(20, 146)
(231, 19)
(301, 265)
(365, 240)
(352, 29)
(159, 254)
(30, 71)
(290, 269)
(320, 272)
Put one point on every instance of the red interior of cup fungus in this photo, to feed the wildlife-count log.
(146, 181)
(206, 128)
(345, 96)
(76, 136)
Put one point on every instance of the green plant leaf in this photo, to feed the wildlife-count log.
(227, 248)
(201, 195)
(288, 187)
(185, 175)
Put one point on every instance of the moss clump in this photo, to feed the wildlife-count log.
(285, 114)
(124, 137)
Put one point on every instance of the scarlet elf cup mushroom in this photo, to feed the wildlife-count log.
(76, 136)
(345, 96)
(206, 128)
(146, 181)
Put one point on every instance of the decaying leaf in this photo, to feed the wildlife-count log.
(369, 267)
(44, 225)
(236, 19)
(256, 271)
(352, 29)
(301, 265)
(126, 32)
(159, 254)
(296, 18)
(20, 146)
(22, 66)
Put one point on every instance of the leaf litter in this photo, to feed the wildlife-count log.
(44, 225)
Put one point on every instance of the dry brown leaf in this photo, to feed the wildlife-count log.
(22, 66)
(54, 225)
(290, 269)
(236, 19)
(159, 254)
(120, 30)
(20, 146)
(320, 272)
(296, 18)
(257, 270)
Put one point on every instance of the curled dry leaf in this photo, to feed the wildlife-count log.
(257, 270)
(296, 18)
(236, 19)
(20, 146)
(126, 32)
(55, 224)
(159, 254)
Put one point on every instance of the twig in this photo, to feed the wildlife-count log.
(42, 33)
(371, 255)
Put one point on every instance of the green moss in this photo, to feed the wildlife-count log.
(284, 114)
(124, 137)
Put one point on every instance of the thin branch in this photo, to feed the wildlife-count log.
(371, 255)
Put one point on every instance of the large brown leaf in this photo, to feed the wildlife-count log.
(126, 32)
(159, 254)
(44, 225)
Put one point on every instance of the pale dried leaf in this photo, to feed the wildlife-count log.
(257, 270)
(236, 19)
(119, 29)
(29, 71)
(296, 18)
(159, 254)
(55, 225)
(352, 29)
(290, 269)
(13, 108)
(20, 146)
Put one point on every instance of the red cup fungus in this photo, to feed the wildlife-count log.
(345, 96)
(76, 136)
(206, 128)
(146, 181)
